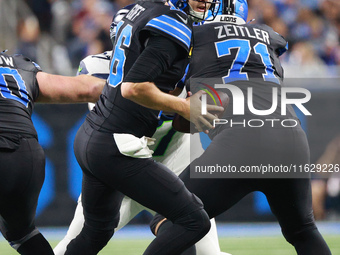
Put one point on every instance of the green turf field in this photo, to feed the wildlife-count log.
(236, 246)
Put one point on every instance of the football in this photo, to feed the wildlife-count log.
(180, 124)
(221, 100)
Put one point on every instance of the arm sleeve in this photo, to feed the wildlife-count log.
(159, 54)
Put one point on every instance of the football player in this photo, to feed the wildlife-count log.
(150, 56)
(171, 148)
(245, 57)
(22, 159)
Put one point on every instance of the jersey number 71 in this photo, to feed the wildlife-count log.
(243, 51)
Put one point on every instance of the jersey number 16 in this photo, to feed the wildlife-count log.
(118, 59)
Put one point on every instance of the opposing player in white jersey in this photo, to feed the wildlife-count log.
(171, 148)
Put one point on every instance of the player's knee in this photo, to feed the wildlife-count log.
(17, 243)
(197, 221)
(100, 239)
(89, 242)
(204, 221)
(294, 233)
(156, 222)
(192, 217)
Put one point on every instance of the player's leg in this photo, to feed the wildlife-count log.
(128, 210)
(74, 229)
(101, 213)
(22, 175)
(164, 192)
(144, 180)
(100, 224)
(217, 195)
(291, 199)
(181, 149)
(101, 203)
(100, 229)
(291, 202)
(209, 244)
(176, 157)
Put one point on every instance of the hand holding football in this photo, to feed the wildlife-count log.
(180, 124)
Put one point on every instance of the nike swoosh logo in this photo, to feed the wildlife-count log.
(185, 21)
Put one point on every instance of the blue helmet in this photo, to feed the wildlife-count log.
(238, 8)
(180, 4)
(233, 11)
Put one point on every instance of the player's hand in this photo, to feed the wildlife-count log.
(202, 122)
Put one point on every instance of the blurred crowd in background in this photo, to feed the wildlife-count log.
(312, 28)
(58, 34)
(65, 31)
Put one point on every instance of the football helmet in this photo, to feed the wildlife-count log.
(196, 16)
(232, 11)
(180, 4)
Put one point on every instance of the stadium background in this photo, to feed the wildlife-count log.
(57, 34)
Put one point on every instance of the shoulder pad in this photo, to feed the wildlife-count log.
(174, 25)
(19, 61)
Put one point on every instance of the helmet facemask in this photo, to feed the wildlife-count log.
(206, 8)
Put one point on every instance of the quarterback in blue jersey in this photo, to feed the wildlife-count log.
(150, 55)
(245, 57)
(171, 148)
(22, 171)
